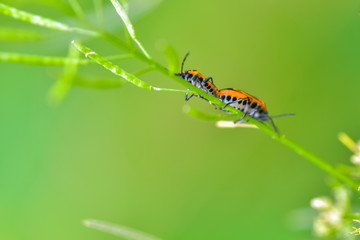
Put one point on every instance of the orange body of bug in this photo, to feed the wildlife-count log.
(245, 102)
(248, 104)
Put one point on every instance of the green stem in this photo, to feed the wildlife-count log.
(319, 162)
(143, 56)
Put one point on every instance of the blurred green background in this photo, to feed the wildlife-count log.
(132, 157)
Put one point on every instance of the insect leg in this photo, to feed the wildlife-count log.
(273, 125)
(188, 98)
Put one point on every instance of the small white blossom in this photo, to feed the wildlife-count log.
(321, 203)
(355, 159)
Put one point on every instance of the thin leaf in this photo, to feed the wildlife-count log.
(41, 21)
(98, 83)
(39, 60)
(172, 57)
(205, 116)
(118, 70)
(348, 142)
(98, 6)
(50, 61)
(55, 4)
(10, 34)
(118, 230)
(60, 89)
(77, 9)
(121, 9)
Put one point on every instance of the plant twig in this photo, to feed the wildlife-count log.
(145, 57)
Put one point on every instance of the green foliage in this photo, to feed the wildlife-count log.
(50, 61)
(64, 83)
(39, 20)
(70, 77)
(122, 9)
(143, 56)
(118, 70)
(21, 35)
(118, 230)
(172, 58)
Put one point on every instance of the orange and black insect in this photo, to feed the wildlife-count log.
(248, 104)
(198, 80)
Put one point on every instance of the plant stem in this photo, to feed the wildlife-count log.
(319, 162)
(143, 56)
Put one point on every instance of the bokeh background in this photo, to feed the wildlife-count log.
(132, 157)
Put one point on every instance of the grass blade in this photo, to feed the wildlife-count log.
(77, 9)
(172, 57)
(118, 70)
(348, 142)
(40, 21)
(99, 83)
(20, 35)
(40, 60)
(121, 9)
(98, 6)
(60, 89)
(50, 61)
(118, 230)
(205, 116)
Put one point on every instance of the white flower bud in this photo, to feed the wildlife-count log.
(321, 203)
(355, 159)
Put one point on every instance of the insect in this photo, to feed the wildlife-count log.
(198, 80)
(248, 104)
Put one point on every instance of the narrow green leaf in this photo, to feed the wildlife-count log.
(205, 116)
(40, 60)
(99, 83)
(172, 57)
(98, 6)
(122, 9)
(118, 230)
(10, 34)
(41, 21)
(60, 89)
(348, 142)
(55, 4)
(118, 70)
(50, 61)
(77, 9)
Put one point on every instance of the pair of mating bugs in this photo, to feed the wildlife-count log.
(238, 99)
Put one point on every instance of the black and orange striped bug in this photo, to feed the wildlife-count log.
(198, 80)
(248, 104)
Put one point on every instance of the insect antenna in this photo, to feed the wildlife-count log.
(284, 115)
(182, 64)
